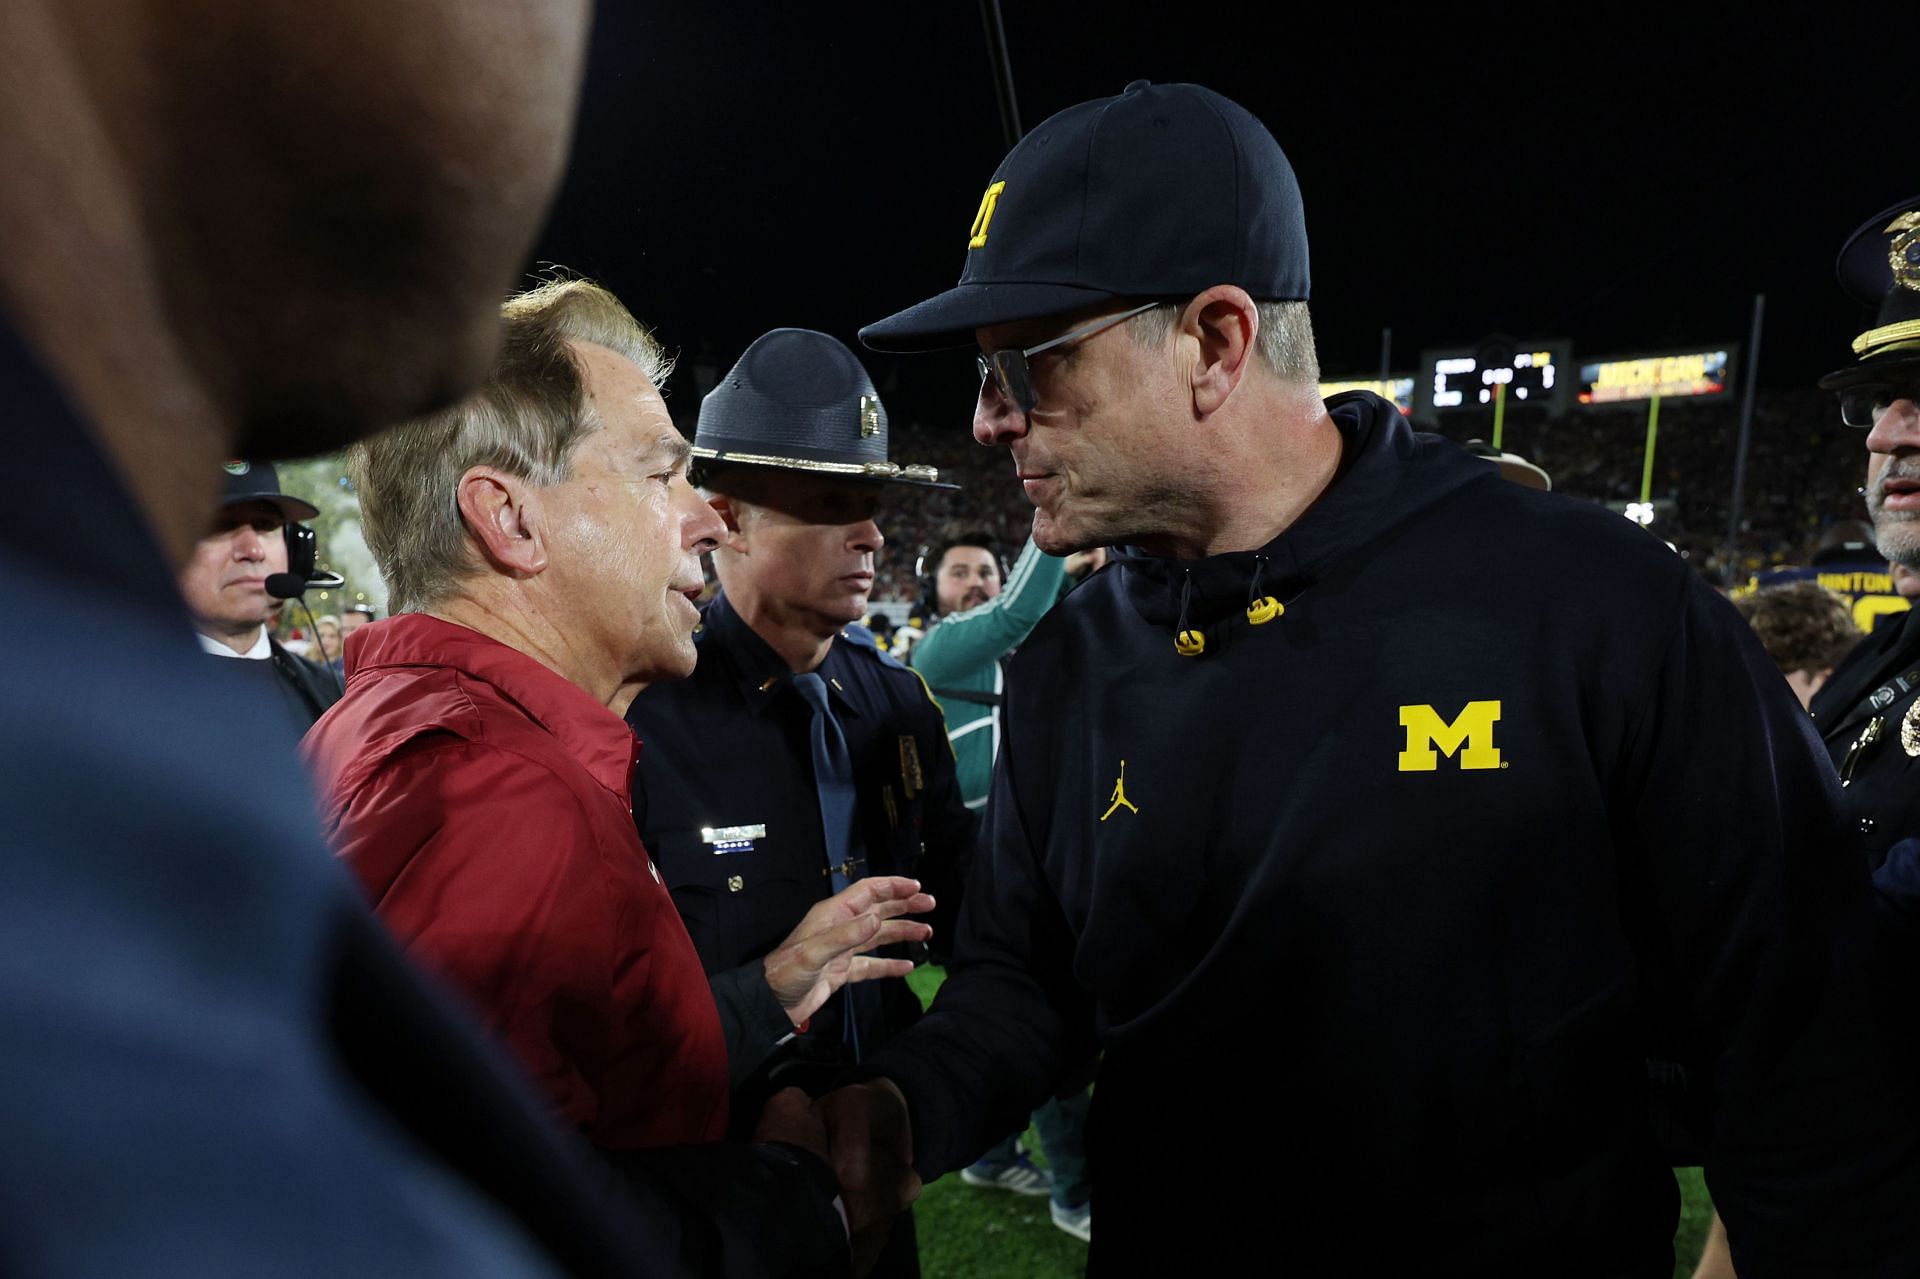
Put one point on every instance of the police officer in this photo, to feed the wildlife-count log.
(249, 542)
(798, 758)
(1868, 713)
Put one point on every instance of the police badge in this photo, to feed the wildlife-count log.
(912, 779)
(1910, 730)
(1903, 251)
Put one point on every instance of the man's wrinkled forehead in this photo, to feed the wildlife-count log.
(670, 449)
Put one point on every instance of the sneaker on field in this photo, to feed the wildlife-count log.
(1019, 1175)
(1077, 1222)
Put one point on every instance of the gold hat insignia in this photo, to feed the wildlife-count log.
(1903, 251)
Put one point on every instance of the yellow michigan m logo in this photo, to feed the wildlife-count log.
(1429, 737)
(977, 238)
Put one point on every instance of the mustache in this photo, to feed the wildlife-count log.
(1899, 469)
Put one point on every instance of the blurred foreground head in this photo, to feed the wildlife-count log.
(282, 224)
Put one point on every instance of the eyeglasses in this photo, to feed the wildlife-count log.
(1008, 368)
(1867, 403)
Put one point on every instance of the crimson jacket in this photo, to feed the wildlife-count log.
(482, 800)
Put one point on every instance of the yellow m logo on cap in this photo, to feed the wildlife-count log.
(1429, 737)
(981, 219)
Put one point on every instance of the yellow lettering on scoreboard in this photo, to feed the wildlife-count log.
(1692, 373)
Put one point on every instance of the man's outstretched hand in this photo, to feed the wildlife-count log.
(871, 1148)
(827, 949)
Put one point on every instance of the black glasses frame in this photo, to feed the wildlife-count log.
(1863, 404)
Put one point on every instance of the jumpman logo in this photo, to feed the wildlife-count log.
(1120, 799)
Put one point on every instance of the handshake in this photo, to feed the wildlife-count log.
(860, 1131)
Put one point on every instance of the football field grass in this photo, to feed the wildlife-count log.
(970, 1233)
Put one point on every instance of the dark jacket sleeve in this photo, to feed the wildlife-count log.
(949, 832)
(313, 685)
(750, 1016)
(1729, 816)
(1010, 1026)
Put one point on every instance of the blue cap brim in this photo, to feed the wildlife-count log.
(949, 319)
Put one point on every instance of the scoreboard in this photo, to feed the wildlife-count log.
(1535, 374)
(1641, 377)
(1398, 388)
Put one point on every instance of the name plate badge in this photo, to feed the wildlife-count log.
(732, 839)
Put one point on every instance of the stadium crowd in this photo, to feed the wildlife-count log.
(1257, 801)
(1802, 471)
(1802, 476)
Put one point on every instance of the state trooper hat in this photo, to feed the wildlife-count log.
(799, 401)
(259, 482)
(1880, 267)
(1160, 192)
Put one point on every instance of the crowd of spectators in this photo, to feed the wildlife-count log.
(1803, 470)
(989, 499)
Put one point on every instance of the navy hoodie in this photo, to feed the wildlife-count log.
(1378, 910)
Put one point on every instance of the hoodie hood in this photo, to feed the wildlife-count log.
(1389, 475)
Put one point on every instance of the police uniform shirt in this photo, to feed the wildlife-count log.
(725, 802)
(1868, 715)
(303, 690)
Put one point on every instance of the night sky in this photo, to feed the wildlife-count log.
(1629, 187)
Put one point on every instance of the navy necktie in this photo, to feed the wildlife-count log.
(833, 782)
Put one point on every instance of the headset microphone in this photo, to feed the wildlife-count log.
(292, 586)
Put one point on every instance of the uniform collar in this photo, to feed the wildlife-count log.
(597, 738)
(1841, 702)
(260, 651)
(760, 672)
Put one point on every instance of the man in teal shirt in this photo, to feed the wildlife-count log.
(977, 623)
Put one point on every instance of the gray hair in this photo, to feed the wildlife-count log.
(1284, 343)
(527, 420)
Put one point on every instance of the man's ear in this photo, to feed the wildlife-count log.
(731, 511)
(1222, 324)
(503, 515)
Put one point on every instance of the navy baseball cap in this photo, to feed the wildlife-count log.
(1879, 266)
(1160, 192)
(259, 482)
(798, 400)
